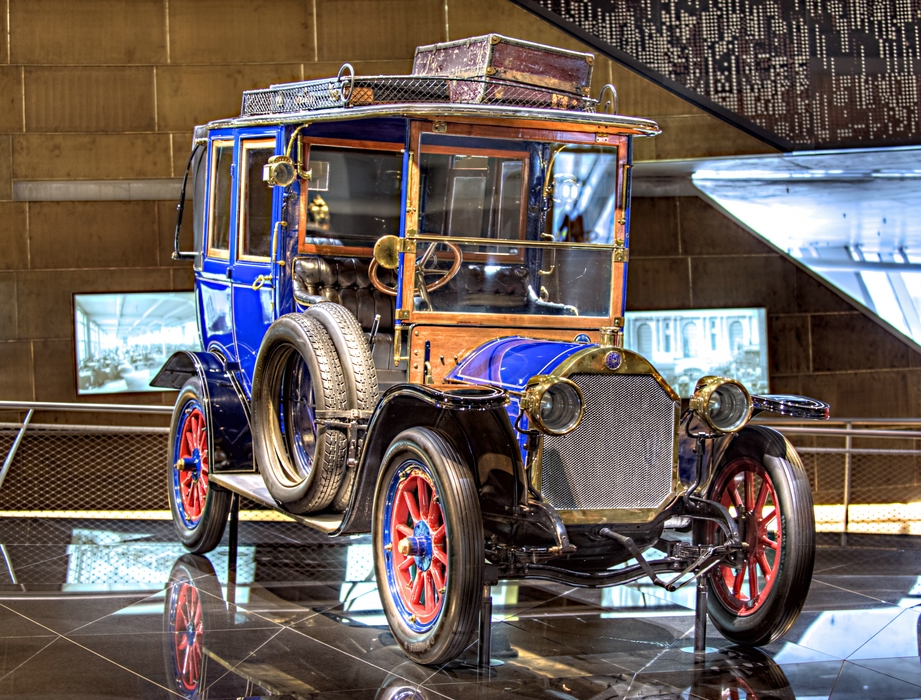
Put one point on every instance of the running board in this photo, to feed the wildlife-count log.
(252, 487)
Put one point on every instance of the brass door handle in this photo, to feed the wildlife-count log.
(261, 281)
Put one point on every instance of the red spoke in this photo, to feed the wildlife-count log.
(187, 444)
(762, 497)
(429, 592)
(424, 505)
(768, 542)
(762, 523)
(438, 535)
(186, 659)
(415, 595)
(749, 491)
(411, 506)
(405, 530)
(439, 554)
(735, 496)
(406, 563)
(765, 566)
(737, 582)
(436, 577)
(753, 588)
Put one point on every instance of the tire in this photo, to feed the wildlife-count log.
(298, 373)
(760, 466)
(199, 510)
(431, 599)
(358, 371)
(740, 673)
(193, 597)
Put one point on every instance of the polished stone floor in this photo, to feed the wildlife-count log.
(86, 609)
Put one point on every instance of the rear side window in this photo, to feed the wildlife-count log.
(219, 228)
(256, 197)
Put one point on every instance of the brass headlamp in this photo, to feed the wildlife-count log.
(724, 405)
(554, 405)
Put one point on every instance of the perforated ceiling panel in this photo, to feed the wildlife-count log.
(798, 73)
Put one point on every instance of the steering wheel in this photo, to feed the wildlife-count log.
(444, 276)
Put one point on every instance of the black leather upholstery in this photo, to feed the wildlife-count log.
(345, 281)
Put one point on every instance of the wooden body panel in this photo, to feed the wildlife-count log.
(449, 344)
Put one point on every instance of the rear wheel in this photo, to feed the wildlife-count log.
(193, 597)
(428, 545)
(297, 380)
(755, 598)
(199, 510)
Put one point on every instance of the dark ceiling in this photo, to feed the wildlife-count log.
(796, 73)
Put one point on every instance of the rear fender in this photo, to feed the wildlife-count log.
(225, 407)
(474, 421)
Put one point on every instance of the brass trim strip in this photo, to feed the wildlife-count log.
(516, 243)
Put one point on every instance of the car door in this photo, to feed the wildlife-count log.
(214, 278)
(254, 272)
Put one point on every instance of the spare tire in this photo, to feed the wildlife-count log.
(297, 375)
(358, 371)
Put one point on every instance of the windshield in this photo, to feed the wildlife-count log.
(533, 226)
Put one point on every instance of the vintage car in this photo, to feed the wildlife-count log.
(411, 299)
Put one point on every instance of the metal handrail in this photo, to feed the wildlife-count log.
(91, 407)
(33, 406)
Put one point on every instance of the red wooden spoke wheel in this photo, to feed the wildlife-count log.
(193, 453)
(188, 637)
(746, 490)
(199, 509)
(758, 592)
(428, 546)
(420, 550)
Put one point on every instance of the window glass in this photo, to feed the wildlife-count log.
(256, 220)
(471, 194)
(354, 196)
(219, 234)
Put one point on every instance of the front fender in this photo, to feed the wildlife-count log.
(226, 410)
(473, 419)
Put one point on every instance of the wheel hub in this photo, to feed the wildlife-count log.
(419, 546)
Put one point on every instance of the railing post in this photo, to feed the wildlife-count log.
(15, 447)
(848, 445)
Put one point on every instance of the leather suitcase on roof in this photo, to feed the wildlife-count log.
(494, 57)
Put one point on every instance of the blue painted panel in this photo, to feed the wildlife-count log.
(253, 309)
(215, 322)
(511, 362)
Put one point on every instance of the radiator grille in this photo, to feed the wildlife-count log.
(621, 454)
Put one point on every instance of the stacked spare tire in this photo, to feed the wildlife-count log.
(314, 371)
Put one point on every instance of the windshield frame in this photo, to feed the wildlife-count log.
(618, 250)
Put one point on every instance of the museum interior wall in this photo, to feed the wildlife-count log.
(110, 91)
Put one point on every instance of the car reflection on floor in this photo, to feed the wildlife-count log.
(115, 609)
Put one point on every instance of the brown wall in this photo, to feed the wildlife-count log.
(110, 90)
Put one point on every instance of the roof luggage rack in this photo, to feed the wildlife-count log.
(347, 91)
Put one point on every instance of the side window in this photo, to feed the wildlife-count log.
(353, 197)
(255, 240)
(219, 221)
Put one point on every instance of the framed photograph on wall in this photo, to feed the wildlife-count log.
(688, 344)
(123, 339)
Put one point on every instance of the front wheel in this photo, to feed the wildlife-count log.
(428, 546)
(755, 598)
(199, 510)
